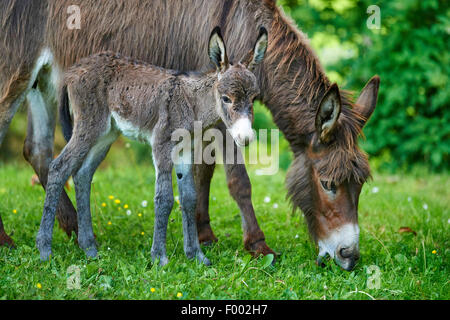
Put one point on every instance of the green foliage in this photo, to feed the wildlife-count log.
(410, 53)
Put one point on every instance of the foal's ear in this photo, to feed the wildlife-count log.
(255, 56)
(328, 113)
(216, 50)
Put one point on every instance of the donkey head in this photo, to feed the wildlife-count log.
(332, 172)
(237, 86)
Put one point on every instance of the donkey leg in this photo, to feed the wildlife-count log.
(203, 174)
(5, 240)
(241, 191)
(60, 169)
(9, 104)
(82, 180)
(163, 207)
(188, 200)
(38, 146)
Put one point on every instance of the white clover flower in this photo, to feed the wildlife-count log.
(375, 189)
(267, 199)
(128, 212)
(425, 206)
(409, 199)
(144, 203)
(275, 205)
(296, 236)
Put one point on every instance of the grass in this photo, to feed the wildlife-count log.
(408, 266)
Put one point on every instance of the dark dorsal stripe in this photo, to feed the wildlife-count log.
(225, 13)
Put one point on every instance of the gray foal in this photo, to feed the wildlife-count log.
(106, 94)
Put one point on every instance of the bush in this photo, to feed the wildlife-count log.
(411, 124)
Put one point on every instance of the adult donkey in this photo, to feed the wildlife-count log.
(320, 122)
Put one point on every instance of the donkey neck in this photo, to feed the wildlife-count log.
(199, 93)
(293, 82)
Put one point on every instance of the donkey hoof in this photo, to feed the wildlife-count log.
(44, 246)
(6, 240)
(163, 260)
(91, 252)
(45, 254)
(203, 259)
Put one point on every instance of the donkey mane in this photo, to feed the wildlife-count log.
(289, 53)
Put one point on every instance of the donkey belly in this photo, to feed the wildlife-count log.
(132, 131)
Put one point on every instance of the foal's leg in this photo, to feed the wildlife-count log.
(60, 170)
(203, 174)
(188, 198)
(82, 180)
(163, 207)
(38, 146)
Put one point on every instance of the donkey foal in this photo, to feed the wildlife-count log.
(106, 94)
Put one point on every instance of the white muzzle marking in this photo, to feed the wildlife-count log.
(345, 236)
(242, 131)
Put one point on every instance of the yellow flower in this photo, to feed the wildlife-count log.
(139, 214)
(117, 201)
(179, 294)
(125, 206)
(111, 197)
(434, 252)
(109, 223)
(103, 204)
(39, 286)
(152, 290)
(14, 211)
(142, 233)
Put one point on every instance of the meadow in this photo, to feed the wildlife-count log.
(404, 243)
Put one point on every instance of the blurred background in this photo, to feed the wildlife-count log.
(410, 128)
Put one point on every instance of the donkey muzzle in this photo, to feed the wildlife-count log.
(242, 132)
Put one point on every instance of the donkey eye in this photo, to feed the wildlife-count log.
(330, 187)
(225, 99)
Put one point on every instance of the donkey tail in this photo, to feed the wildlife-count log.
(64, 114)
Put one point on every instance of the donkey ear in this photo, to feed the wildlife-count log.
(367, 100)
(255, 56)
(328, 113)
(216, 50)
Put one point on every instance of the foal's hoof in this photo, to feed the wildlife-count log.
(44, 246)
(45, 254)
(203, 259)
(91, 252)
(163, 260)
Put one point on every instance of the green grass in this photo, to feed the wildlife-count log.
(407, 264)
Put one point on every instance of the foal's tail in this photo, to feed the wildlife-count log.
(64, 114)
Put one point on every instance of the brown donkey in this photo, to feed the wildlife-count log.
(108, 95)
(36, 45)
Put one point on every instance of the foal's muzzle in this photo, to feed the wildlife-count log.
(242, 132)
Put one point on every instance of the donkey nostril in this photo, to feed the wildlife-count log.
(345, 253)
